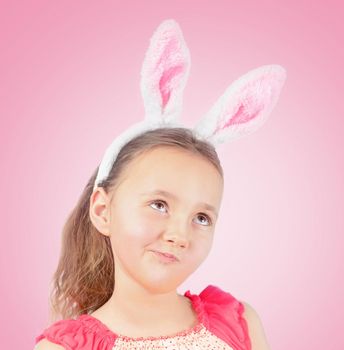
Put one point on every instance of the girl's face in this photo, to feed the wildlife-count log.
(180, 221)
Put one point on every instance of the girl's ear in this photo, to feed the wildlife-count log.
(99, 211)
(164, 73)
(244, 107)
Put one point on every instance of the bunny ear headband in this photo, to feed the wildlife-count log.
(241, 110)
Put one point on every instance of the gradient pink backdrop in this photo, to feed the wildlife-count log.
(70, 83)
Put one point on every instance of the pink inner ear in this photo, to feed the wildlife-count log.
(250, 106)
(165, 82)
(240, 117)
(172, 67)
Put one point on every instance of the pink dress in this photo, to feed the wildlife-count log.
(220, 326)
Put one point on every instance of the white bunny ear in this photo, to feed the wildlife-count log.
(244, 107)
(164, 73)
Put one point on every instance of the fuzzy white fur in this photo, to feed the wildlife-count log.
(159, 59)
(256, 93)
(242, 109)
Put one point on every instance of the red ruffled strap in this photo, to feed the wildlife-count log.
(221, 314)
(77, 335)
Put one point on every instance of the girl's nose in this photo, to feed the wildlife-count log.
(179, 240)
(177, 233)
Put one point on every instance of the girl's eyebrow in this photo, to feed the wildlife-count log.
(171, 195)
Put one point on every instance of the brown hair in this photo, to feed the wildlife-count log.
(84, 278)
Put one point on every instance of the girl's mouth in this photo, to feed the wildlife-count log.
(165, 257)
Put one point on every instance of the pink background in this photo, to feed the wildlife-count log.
(70, 83)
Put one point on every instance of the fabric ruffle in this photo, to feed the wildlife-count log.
(73, 334)
(221, 313)
(216, 309)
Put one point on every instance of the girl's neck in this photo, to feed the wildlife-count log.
(141, 306)
(153, 315)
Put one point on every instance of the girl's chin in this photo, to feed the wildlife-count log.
(161, 284)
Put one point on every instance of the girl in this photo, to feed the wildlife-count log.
(147, 217)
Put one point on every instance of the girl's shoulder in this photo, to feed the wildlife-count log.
(223, 314)
(234, 321)
(217, 310)
(83, 333)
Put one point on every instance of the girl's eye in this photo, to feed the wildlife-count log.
(207, 218)
(159, 205)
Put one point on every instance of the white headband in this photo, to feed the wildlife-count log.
(240, 111)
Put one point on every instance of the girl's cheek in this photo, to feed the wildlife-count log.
(145, 226)
(151, 218)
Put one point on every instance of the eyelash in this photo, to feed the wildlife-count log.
(205, 215)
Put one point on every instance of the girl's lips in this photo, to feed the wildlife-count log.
(165, 256)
